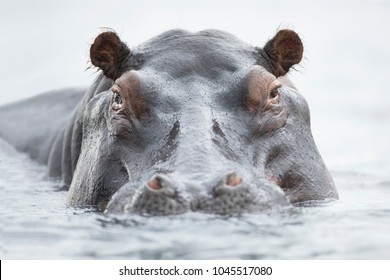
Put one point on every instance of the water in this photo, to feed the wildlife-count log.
(344, 77)
(36, 224)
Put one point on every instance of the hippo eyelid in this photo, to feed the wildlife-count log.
(116, 88)
(274, 92)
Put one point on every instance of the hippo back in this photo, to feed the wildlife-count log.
(32, 125)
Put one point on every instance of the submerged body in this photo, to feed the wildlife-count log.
(185, 122)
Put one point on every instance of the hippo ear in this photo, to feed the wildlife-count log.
(109, 53)
(283, 51)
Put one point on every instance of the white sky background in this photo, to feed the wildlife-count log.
(44, 45)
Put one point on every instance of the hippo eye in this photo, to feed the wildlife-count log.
(274, 92)
(117, 98)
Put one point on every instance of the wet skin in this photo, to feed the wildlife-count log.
(190, 122)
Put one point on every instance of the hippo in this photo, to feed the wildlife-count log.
(184, 122)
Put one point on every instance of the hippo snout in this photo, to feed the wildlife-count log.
(163, 195)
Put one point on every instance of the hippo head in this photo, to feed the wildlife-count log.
(197, 122)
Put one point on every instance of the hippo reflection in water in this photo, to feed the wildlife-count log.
(184, 122)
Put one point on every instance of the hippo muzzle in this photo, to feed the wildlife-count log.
(161, 196)
(196, 122)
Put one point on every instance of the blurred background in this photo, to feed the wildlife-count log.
(44, 45)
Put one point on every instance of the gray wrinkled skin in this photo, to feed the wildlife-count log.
(204, 130)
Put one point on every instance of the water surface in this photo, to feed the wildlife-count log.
(37, 225)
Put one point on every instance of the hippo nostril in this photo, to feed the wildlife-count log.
(154, 184)
(161, 184)
(230, 184)
(233, 179)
